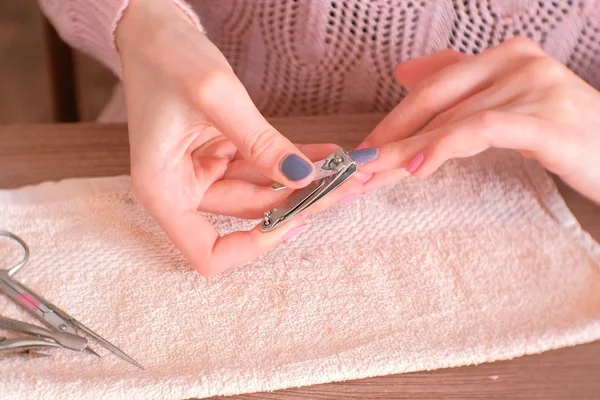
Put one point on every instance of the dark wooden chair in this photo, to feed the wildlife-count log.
(62, 76)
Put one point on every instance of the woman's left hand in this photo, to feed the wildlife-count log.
(513, 96)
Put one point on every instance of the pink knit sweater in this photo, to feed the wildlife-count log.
(337, 56)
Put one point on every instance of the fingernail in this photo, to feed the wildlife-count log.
(363, 156)
(299, 229)
(415, 163)
(295, 168)
(350, 198)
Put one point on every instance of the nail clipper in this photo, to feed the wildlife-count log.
(331, 173)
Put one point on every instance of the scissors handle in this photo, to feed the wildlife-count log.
(33, 303)
(22, 243)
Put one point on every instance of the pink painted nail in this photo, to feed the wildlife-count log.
(415, 163)
(299, 229)
(350, 198)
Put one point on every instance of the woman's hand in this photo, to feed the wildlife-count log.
(198, 142)
(513, 96)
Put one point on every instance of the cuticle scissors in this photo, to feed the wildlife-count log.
(56, 319)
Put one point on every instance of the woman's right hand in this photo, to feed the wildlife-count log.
(198, 142)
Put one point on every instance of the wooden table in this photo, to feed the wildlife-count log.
(34, 153)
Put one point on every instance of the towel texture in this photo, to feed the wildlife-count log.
(480, 262)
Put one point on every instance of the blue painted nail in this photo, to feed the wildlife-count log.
(295, 168)
(363, 156)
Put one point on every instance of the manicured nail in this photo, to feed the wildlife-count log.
(299, 229)
(295, 168)
(363, 156)
(415, 163)
(350, 198)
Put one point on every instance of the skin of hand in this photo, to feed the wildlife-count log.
(512, 96)
(199, 144)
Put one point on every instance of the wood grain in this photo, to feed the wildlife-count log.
(31, 154)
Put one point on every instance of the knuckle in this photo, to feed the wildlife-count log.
(261, 144)
(426, 97)
(145, 193)
(561, 102)
(205, 269)
(544, 69)
(442, 143)
(523, 45)
(256, 239)
(486, 120)
(483, 128)
(212, 83)
(396, 154)
(203, 262)
(441, 119)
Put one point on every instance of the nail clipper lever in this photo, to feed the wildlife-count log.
(338, 168)
(323, 171)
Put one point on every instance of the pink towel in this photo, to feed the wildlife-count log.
(480, 262)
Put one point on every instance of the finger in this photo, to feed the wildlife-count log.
(449, 87)
(211, 254)
(384, 178)
(246, 170)
(395, 156)
(353, 186)
(241, 199)
(525, 86)
(228, 105)
(527, 134)
(506, 91)
(411, 72)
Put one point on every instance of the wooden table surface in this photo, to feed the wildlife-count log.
(31, 154)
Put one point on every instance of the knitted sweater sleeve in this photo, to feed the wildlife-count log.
(90, 25)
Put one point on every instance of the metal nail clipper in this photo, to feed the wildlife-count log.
(331, 173)
(63, 328)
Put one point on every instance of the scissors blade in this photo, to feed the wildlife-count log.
(45, 311)
(78, 325)
(53, 316)
(106, 344)
(91, 351)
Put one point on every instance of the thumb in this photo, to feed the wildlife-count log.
(412, 72)
(233, 113)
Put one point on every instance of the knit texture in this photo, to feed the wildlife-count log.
(482, 261)
(314, 57)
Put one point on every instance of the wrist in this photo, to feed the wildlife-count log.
(145, 23)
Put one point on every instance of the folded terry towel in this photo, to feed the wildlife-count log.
(480, 262)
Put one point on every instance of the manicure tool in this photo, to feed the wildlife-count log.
(25, 345)
(332, 172)
(48, 313)
(323, 169)
(59, 339)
